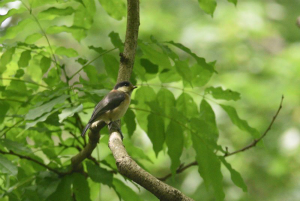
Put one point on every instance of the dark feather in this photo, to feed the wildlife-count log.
(85, 129)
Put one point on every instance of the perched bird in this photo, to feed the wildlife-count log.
(113, 106)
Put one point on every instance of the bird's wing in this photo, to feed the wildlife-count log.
(109, 102)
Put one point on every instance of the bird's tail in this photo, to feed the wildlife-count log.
(85, 129)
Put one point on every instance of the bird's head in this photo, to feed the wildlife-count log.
(125, 86)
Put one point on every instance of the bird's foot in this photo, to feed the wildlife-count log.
(116, 127)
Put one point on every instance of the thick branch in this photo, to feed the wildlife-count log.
(252, 144)
(133, 171)
(132, 30)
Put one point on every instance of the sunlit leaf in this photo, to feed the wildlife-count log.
(169, 75)
(81, 188)
(240, 123)
(208, 6)
(24, 59)
(125, 192)
(68, 112)
(219, 93)
(174, 140)
(10, 13)
(84, 14)
(77, 32)
(115, 8)
(31, 39)
(45, 64)
(53, 12)
(6, 166)
(184, 70)
(69, 52)
(6, 58)
(235, 176)
(233, 1)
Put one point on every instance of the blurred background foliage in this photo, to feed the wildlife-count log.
(256, 46)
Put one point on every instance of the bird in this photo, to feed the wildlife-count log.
(113, 106)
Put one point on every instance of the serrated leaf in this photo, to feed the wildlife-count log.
(174, 141)
(7, 166)
(235, 176)
(45, 108)
(240, 123)
(69, 52)
(31, 39)
(149, 66)
(24, 59)
(219, 93)
(115, 8)
(186, 105)
(68, 112)
(100, 50)
(15, 146)
(201, 61)
(63, 191)
(53, 12)
(156, 132)
(208, 6)
(13, 31)
(209, 166)
(77, 32)
(126, 193)
(81, 188)
(116, 41)
(10, 13)
(111, 66)
(129, 119)
(233, 1)
(98, 174)
(6, 58)
(45, 64)
(4, 107)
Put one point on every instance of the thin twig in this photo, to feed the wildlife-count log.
(25, 82)
(253, 144)
(31, 159)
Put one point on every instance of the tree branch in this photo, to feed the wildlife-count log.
(252, 144)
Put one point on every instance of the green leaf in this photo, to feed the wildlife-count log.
(209, 166)
(13, 31)
(6, 166)
(15, 146)
(10, 13)
(166, 101)
(129, 119)
(100, 50)
(4, 107)
(116, 41)
(81, 188)
(111, 66)
(156, 132)
(208, 116)
(115, 8)
(63, 191)
(235, 176)
(45, 108)
(135, 152)
(240, 123)
(233, 1)
(174, 140)
(201, 75)
(19, 73)
(31, 39)
(126, 193)
(208, 6)
(6, 58)
(84, 14)
(24, 59)
(47, 184)
(184, 70)
(201, 61)
(168, 75)
(69, 112)
(52, 78)
(53, 12)
(149, 66)
(186, 105)
(45, 64)
(219, 93)
(77, 32)
(69, 52)
(98, 174)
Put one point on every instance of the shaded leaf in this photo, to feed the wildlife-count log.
(149, 66)
(126, 193)
(200, 75)
(208, 6)
(46, 184)
(53, 12)
(208, 116)
(24, 59)
(115, 8)
(77, 32)
(4, 107)
(15, 146)
(98, 174)
(81, 188)
(116, 41)
(6, 58)
(129, 119)
(6, 166)
(68, 112)
(240, 123)
(63, 191)
(111, 66)
(219, 93)
(69, 52)
(169, 75)
(209, 166)
(135, 152)
(235, 176)
(19, 73)
(156, 132)
(100, 50)
(174, 141)
(186, 105)
(233, 1)
(45, 64)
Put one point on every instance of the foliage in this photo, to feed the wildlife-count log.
(45, 102)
